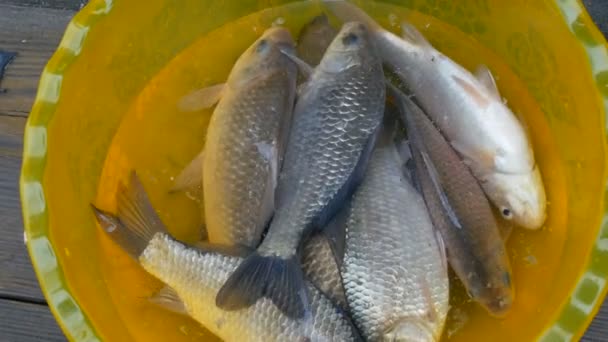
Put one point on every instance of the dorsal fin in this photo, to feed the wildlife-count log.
(485, 77)
(410, 33)
(481, 99)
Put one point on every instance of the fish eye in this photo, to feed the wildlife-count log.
(506, 213)
(262, 45)
(350, 39)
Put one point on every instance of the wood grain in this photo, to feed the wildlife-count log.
(56, 4)
(34, 34)
(17, 279)
(21, 322)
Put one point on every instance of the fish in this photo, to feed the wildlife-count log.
(335, 122)
(395, 269)
(459, 210)
(192, 277)
(245, 140)
(469, 110)
(314, 39)
(320, 266)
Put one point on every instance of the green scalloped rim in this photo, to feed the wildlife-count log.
(590, 291)
(575, 316)
(73, 321)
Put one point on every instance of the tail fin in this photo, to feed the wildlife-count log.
(136, 222)
(347, 11)
(278, 279)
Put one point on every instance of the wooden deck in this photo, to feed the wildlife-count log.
(32, 29)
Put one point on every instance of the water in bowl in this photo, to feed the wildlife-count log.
(157, 140)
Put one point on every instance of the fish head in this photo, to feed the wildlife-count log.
(496, 293)
(350, 48)
(519, 197)
(409, 330)
(265, 55)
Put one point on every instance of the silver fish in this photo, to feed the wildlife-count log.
(460, 211)
(318, 259)
(321, 268)
(336, 119)
(470, 112)
(395, 269)
(245, 140)
(193, 277)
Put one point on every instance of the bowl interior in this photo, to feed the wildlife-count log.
(122, 93)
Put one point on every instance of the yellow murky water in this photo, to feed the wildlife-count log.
(157, 140)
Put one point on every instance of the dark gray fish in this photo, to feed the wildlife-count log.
(314, 39)
(336, 119)
(460, 211)
(194, 276)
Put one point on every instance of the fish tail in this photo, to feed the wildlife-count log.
(136, 221)
(276, 278)
(346, 12)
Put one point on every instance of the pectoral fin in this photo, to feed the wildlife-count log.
(484, 75)
(410, 33)
(191, 176)
(168, 299)
(201, 99)
(335, 232)
(305, 69)
(445, 202)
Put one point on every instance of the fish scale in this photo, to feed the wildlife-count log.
(233, 158)
(327, 152)
(197, 276)
(393, 269)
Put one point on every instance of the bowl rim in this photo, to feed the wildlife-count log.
(74, 321)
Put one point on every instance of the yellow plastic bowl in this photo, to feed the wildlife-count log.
(106, 104)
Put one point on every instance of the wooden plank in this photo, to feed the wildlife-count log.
(56, 4)
(25, 322)
(598, 330)
(598, 9)
(17, 279)
(34, 34)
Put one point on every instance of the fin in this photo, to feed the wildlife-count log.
(347, 11)
(432, 315)
(203, 230)
(280, 280)
(472, 91)
(445, 203)
(410, 168)
(270, 152)
(305, 69)
(201, 99)
(442, 249)
(235, 251)
(484, 75)
(410, 33)
(191, 176)
(403, 147)
(484, 160)
(335, 232)
(168, 299)
(136, 222)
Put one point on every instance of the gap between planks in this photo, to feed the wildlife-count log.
(34, 34)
